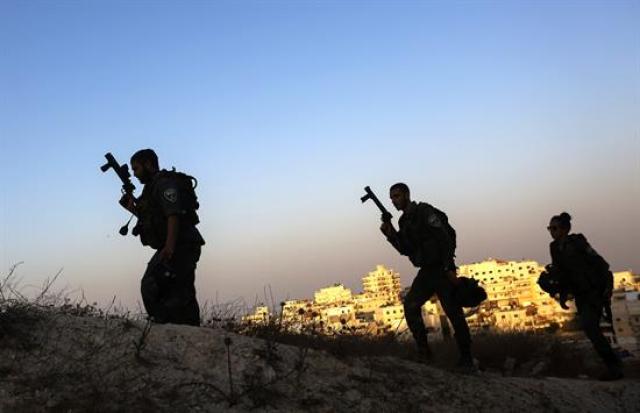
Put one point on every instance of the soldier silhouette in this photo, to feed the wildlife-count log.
(167, 219)
(425, 236)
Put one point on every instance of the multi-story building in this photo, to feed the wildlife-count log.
(335, 317)
(296, 310)
(366, 305)
(260, 316)
(432, 315)
(625, 308)
(380, 288)
(626, 280)
(337, 294)
(383, 284)
(390, 318)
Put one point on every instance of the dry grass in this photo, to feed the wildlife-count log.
(518, 353)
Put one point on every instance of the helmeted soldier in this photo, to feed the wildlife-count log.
(426, 237)
(167, 219)
(585, 274)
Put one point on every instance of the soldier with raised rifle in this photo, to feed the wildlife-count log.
(167, 219)
(427, 238)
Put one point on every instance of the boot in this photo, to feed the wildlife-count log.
(612, 373)
(425, 355)
(466, 364)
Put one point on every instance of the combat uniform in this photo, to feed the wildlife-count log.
(586, 275)
(424, 236)
(168, 290)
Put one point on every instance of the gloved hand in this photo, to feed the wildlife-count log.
(387, 229)
(127, 202)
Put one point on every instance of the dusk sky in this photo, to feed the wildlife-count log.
(502, 114)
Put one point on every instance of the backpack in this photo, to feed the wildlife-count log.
(187, 185)
(600, 276)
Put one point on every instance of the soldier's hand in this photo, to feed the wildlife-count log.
(387, 228)
(165, 254)
(127, 202)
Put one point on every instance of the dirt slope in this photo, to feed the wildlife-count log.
(72, 364)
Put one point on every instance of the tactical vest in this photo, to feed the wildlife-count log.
(152, 224)
(422, 236)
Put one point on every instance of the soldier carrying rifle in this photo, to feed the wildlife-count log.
(427, 238)
(167, 219)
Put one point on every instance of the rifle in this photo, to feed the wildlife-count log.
(386, 215)
(127, 187)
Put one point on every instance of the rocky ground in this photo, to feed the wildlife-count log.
(63, 363)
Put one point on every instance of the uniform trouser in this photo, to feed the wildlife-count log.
(590, 311)
(168, 290)
(427, 283)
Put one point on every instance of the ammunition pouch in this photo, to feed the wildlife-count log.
(151, 233)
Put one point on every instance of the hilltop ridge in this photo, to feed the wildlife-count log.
(61, 362)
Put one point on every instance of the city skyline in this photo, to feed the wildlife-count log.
(501, 115)
(514, 302)
(356, 280)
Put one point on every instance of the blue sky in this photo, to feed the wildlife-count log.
(500, 113)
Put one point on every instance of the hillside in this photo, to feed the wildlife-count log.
(59, 362)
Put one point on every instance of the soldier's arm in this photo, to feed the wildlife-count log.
(394, 238)
(560, 273)
(552, 252)
(168, 195)
(173, 226)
